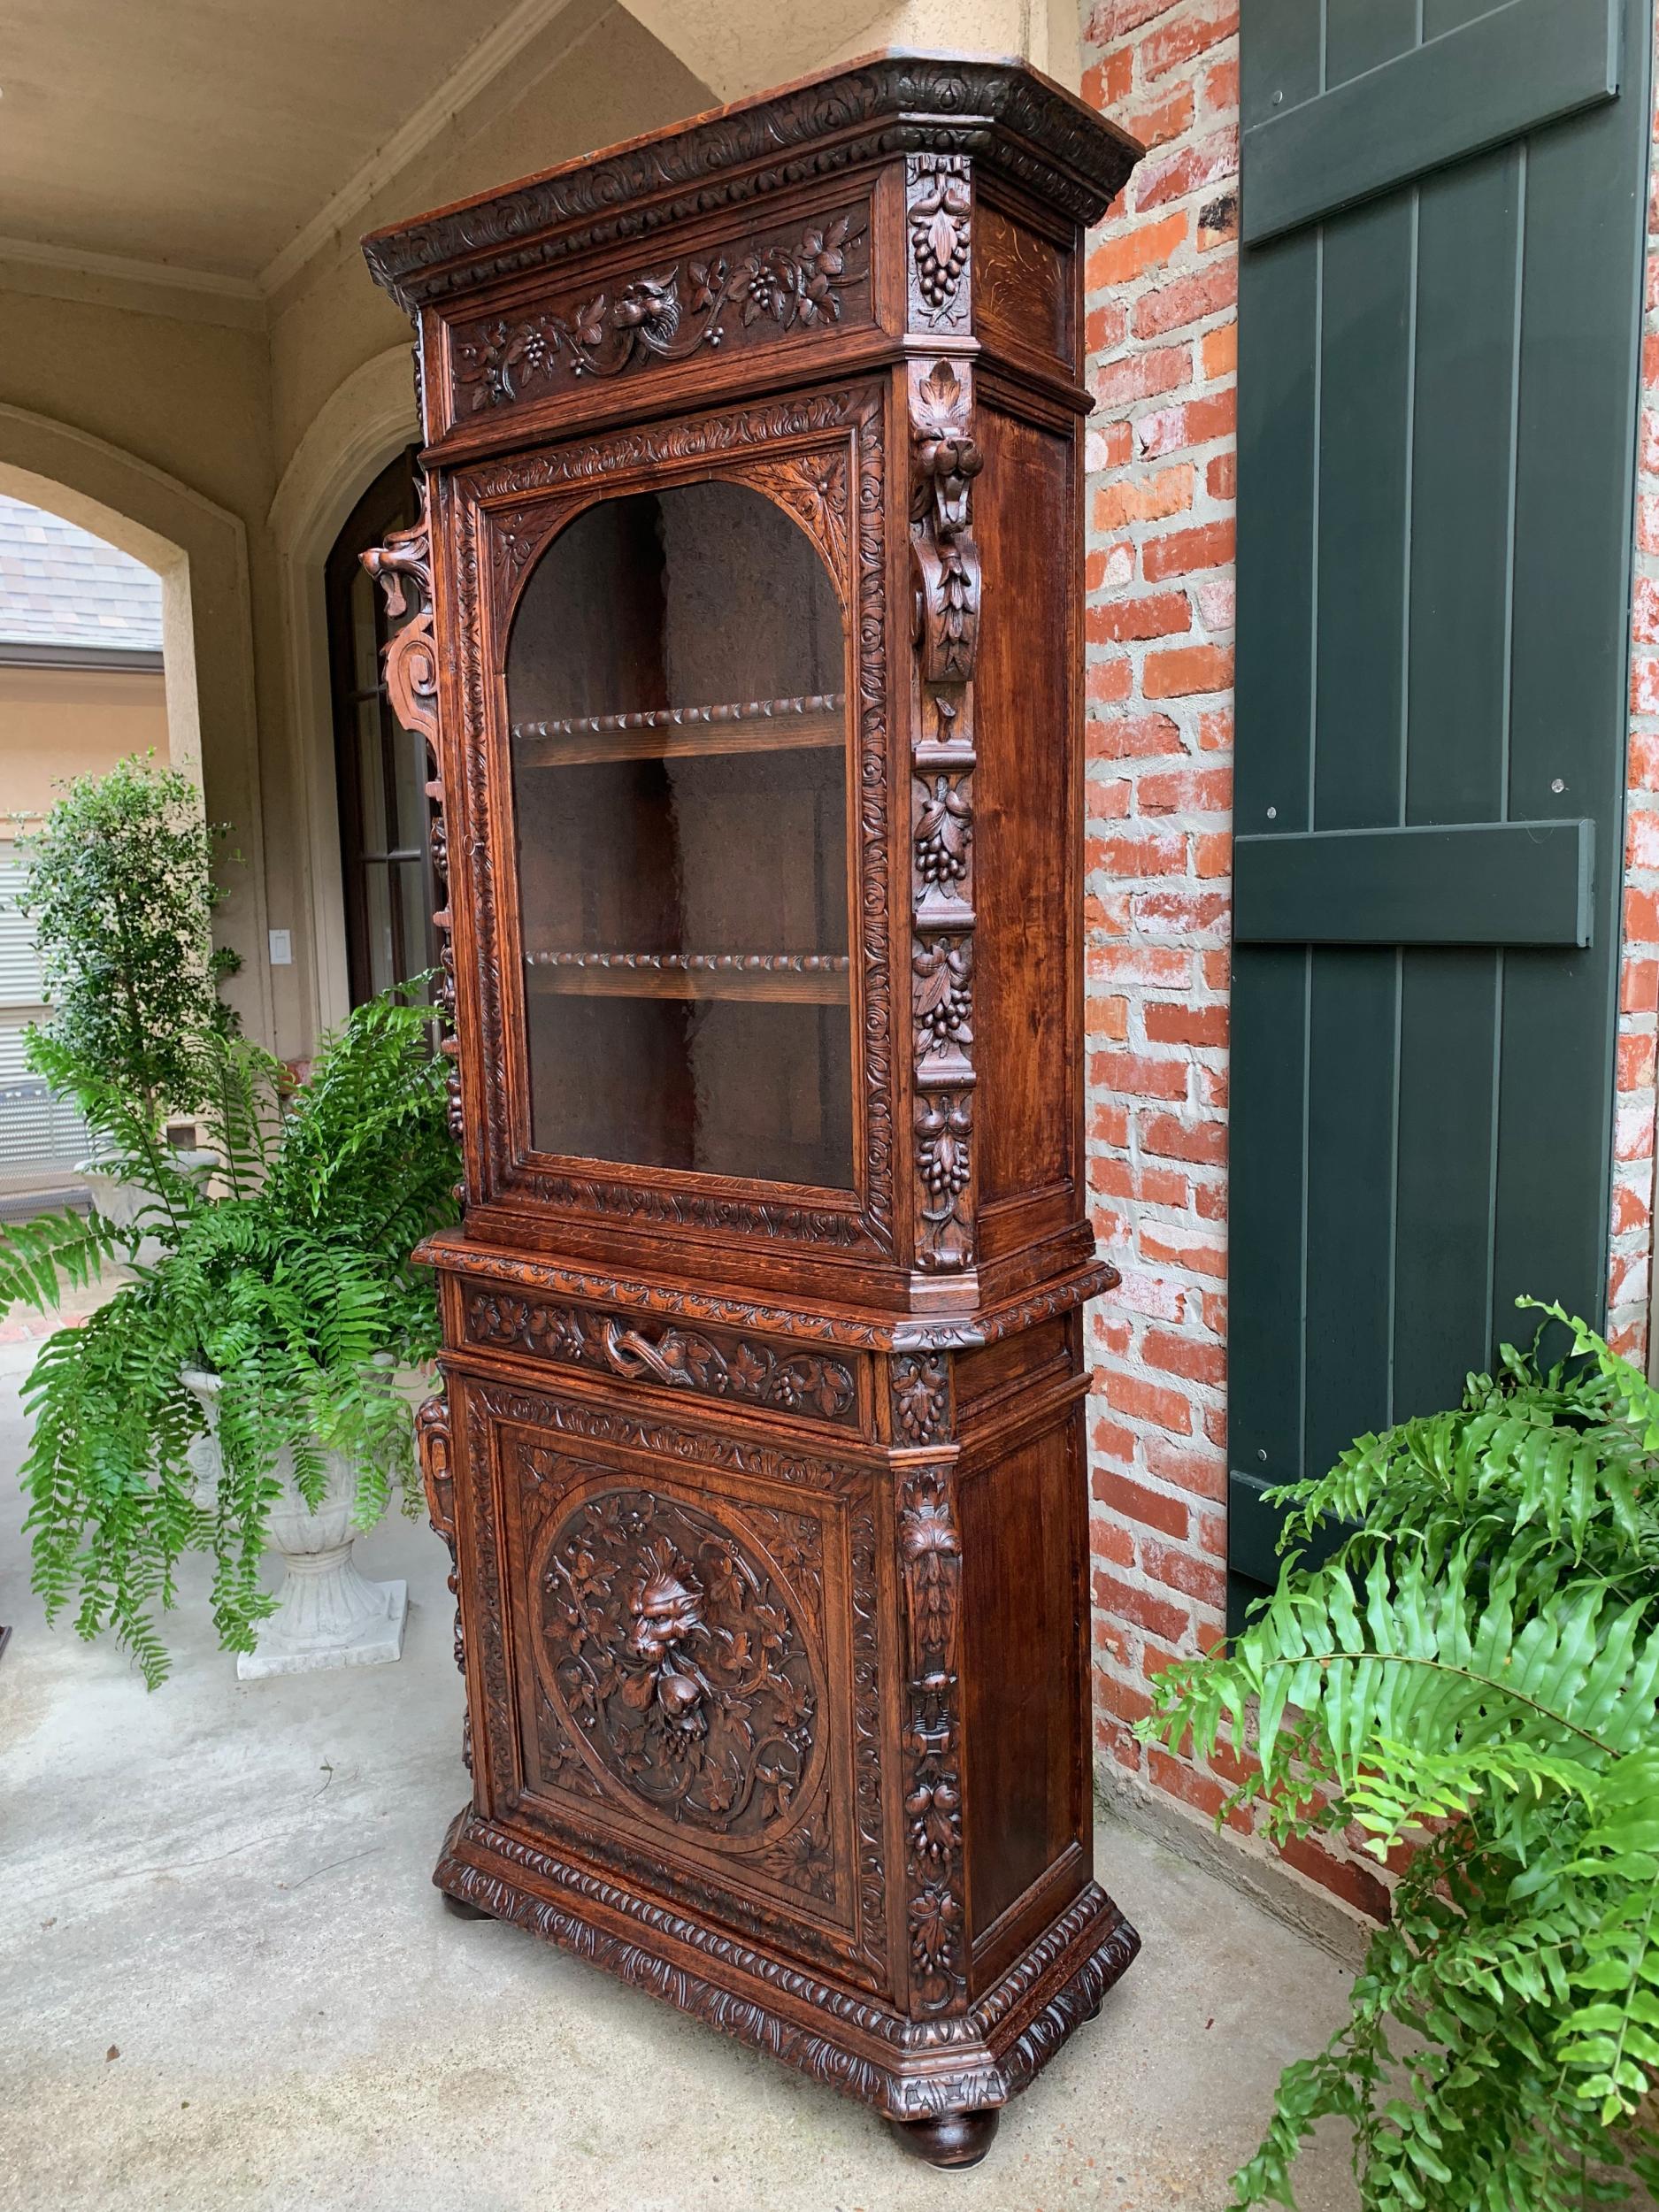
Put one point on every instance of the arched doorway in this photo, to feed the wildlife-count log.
(380, 769)
(82, 686)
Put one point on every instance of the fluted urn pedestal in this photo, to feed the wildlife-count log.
(328, 1614)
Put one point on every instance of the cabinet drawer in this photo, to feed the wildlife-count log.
(820, 1383)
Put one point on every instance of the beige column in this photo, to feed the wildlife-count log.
(740, 47)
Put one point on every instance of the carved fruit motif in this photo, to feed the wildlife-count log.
(675, 1655)
(790, 284)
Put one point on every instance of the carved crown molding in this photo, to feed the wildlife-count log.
(1001, 113)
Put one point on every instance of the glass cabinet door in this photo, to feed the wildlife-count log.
(676, 680)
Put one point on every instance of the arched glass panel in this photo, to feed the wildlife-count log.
(675, 684)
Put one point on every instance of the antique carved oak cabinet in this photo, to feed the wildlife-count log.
(744, 625)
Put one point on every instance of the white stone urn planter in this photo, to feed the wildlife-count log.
(122, 1203)
(327, 1613)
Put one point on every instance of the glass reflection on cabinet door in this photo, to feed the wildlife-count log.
(676, 683)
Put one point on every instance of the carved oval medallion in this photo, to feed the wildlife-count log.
(680, 1660)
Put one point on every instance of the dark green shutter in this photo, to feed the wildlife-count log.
(1444, 212)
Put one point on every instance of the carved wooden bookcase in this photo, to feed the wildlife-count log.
(744, 626)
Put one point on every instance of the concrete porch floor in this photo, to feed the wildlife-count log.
(226, 1980)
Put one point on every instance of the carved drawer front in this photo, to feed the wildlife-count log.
(691, 1631)
(773, 1374)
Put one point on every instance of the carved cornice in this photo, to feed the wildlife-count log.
(1009, 120)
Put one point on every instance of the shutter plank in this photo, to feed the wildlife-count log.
(1507, 73)
(1278, 401)
(1464, 883)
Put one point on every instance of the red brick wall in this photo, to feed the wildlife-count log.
(1162, 281)
(1628, 1287)
(1161, 284)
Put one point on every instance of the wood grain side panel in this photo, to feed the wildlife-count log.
(1026, 1693)
(1027, 1045)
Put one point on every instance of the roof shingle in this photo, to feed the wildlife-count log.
(61, 586)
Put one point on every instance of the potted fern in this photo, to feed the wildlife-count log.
(241, 1387)
(1473, 1674)
(263, 1344)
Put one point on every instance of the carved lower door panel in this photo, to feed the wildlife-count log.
(695, 1692)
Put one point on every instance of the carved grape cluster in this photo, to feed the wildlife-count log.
(921, 1393)
(939, 236)
(943, 993)
(944, 833)
(943, 1124)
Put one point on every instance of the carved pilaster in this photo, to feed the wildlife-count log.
(432, 1436)
(946, 568)
(938, 214)
(930, 1551)
(403, 568)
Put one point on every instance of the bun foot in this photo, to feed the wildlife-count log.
(462, 1910)
(950, 2139)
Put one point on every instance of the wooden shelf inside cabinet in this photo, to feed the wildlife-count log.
(816, 978)
(815, 722)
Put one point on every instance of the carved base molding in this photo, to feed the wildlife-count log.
(907, 2069)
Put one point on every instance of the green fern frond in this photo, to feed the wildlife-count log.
(1474, 1671)
(294, 1288)
(41, 1258)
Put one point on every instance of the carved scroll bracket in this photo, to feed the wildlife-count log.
(947, 601)
(403, 568)
(412, 660)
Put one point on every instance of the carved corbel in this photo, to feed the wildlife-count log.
(411, 657)
(432, 1438)
(947, 562)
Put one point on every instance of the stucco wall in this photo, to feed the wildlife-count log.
(594, 75)
(217, 394)
(55, 723)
